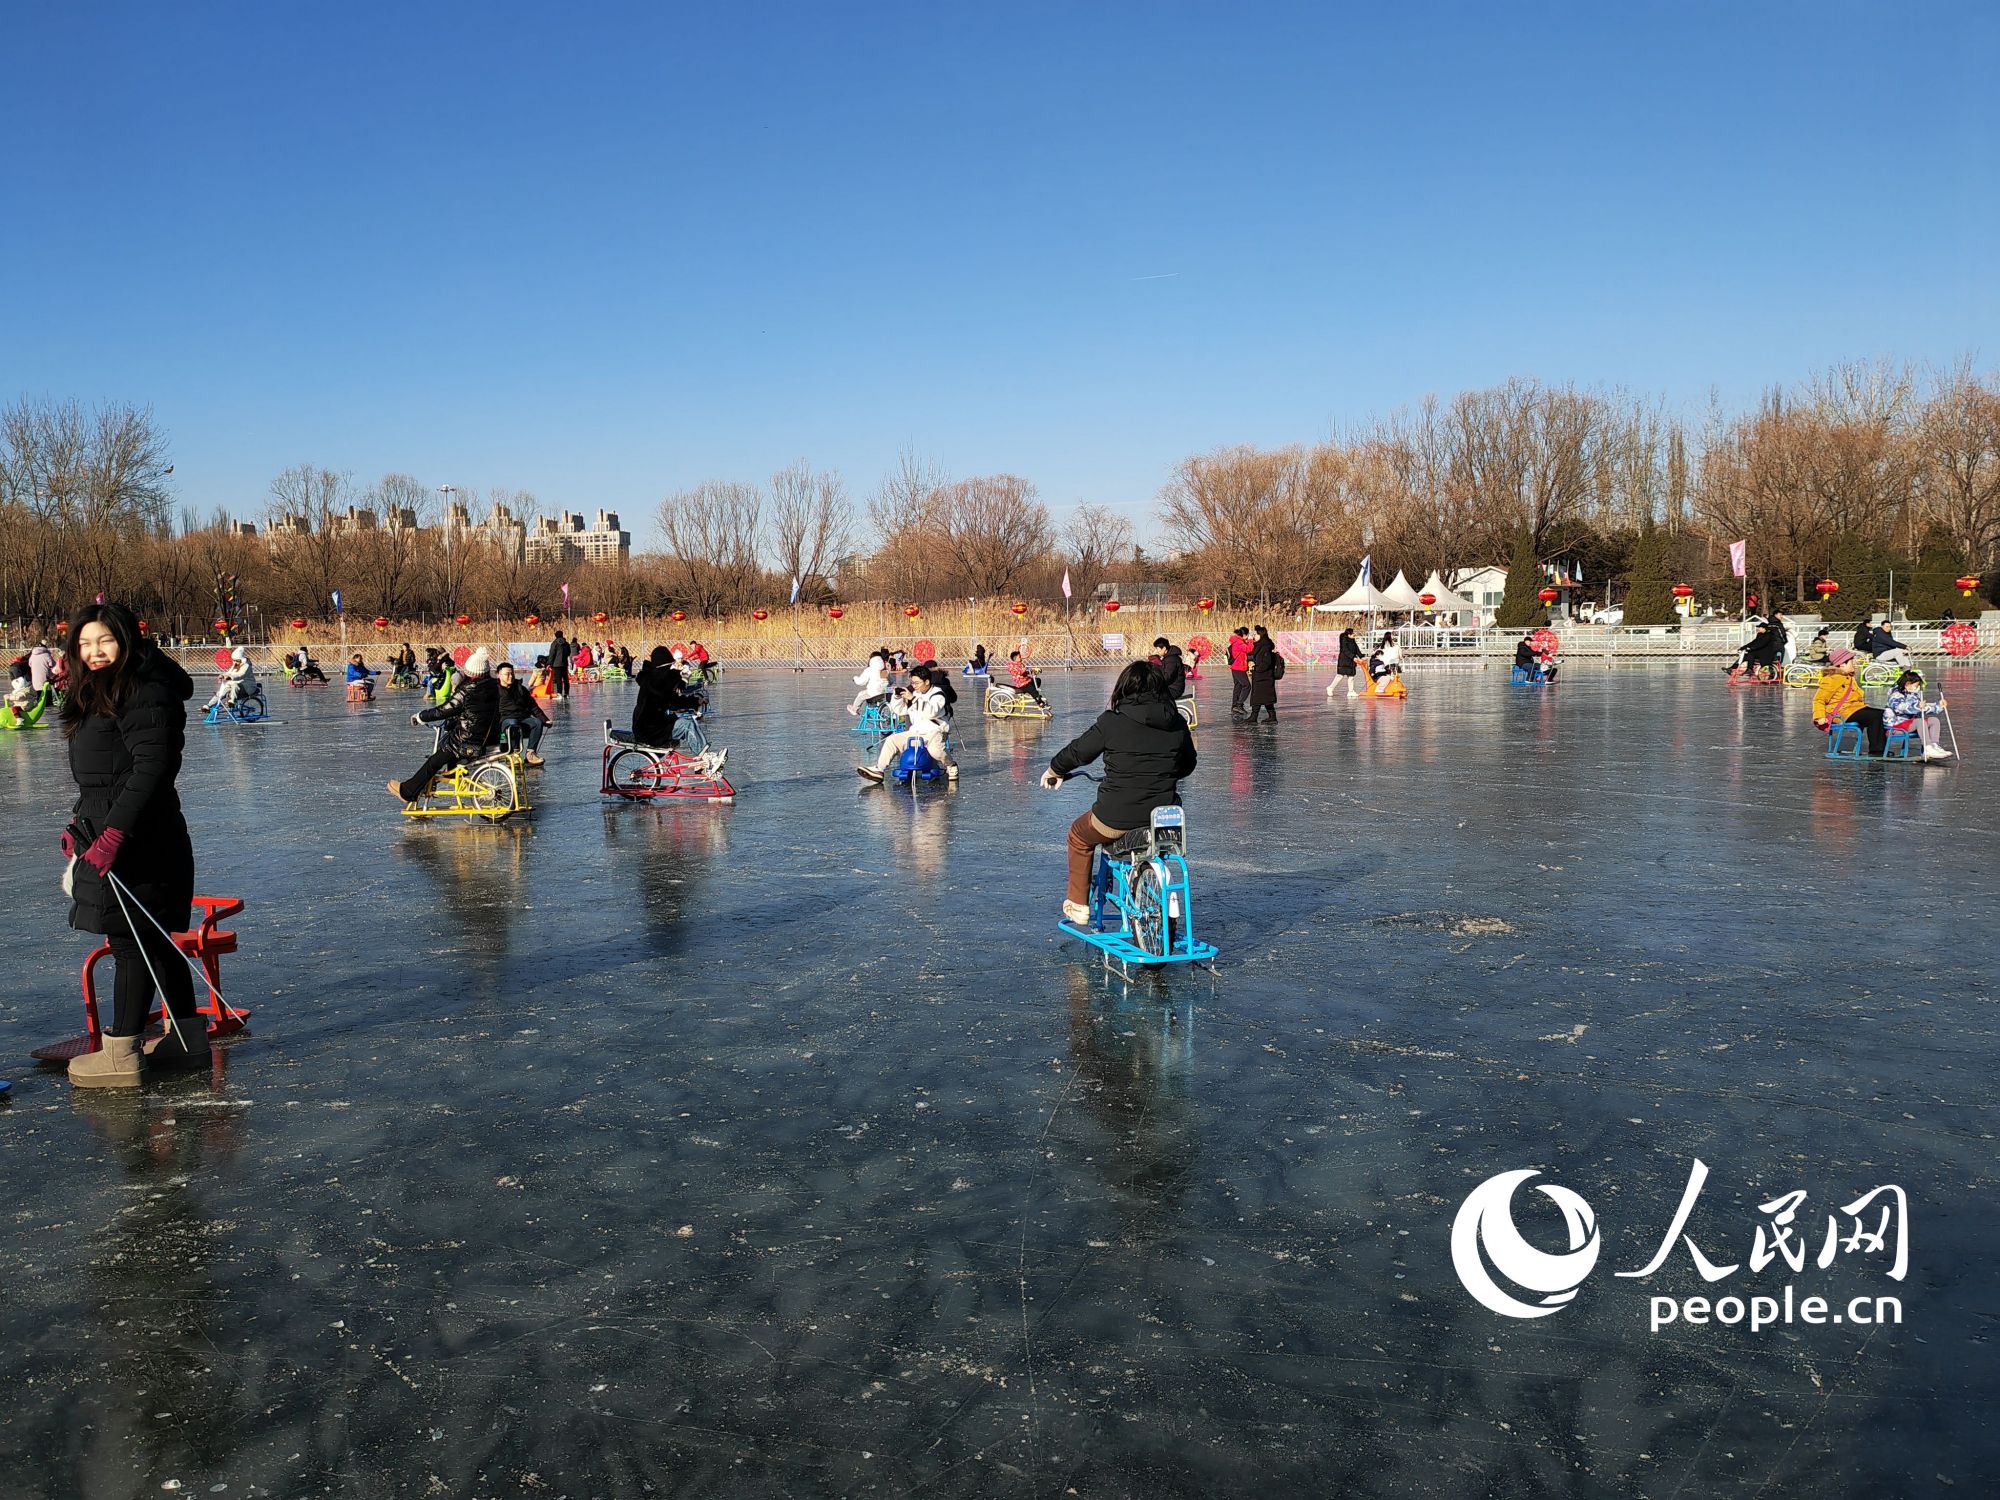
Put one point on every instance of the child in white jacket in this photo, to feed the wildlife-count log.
(873, 682)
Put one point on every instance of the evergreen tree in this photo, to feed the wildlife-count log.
(1519, 608)
(1649, 599)
(1932, 590)
(1859, 570)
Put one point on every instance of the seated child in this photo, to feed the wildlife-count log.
(238, 681)
(360, 681)
(1908, 711)
(1022, 680)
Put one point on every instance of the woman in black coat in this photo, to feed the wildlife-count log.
(1263, 675)
(126, 721)
(1349, 663)
(1147, 752)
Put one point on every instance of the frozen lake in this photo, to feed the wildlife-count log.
(785, 1149)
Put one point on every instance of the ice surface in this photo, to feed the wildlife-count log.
(786, 1149)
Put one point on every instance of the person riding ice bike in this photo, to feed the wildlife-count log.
(1147, 751)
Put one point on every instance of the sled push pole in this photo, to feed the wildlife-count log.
(203, 944)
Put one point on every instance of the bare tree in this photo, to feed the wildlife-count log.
(311, 554)
(992, 529)
(1095, 541)
(811, 521)
(711, 532)
(1956, 456)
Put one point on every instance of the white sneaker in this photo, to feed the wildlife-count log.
(1936, 752)
(713, 761)
(1076, 913)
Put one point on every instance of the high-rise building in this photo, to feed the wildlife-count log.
(565, 538)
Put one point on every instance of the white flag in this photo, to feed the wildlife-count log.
(1738, 554)
(1065, 583)
(795, 588)
(1366, 568)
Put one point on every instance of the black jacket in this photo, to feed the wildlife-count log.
(1173, 667)
(471, 715)
(1147, 750)
(517, 702)
(1881, 641)
(125, 766)
(1524, 655)
(662, 698)
(1263, 673)
(1350, 654)
(559, 652)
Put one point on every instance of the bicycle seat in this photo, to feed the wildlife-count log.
(1138, 841)
(620, 737)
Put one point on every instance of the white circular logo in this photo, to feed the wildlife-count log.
(1484, 1232)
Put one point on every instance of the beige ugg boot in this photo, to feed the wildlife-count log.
(116, 1066)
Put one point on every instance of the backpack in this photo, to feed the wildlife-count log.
(1277, 667)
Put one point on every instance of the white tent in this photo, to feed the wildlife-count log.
(1449, 599)
(1401, 595)
(1362, 599)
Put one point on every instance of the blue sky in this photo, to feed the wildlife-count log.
(603, 252)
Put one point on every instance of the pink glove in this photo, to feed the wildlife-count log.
(68, 845)
(104, 849)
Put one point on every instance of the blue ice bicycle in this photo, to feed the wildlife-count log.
(1141, 903)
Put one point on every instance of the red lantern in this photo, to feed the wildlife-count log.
(1307, 601)
(1020, 608)
(464, 619)
(600, 617)
(1683, 591)
(534, 619)
(912, 611)
(1826, 588)
(760, 614)
(1966, 585)
(679, 615)
(1549, 595)
(222, 627)
(1204, 604)
(298, 624)
(62, 627)
(381, 622)
(1427, 598)
(1111, 606)
(834, 612)
(142, 625)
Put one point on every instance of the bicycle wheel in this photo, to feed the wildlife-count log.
(633, 773)
(491, 791)
(250, 710)
(1151, 927)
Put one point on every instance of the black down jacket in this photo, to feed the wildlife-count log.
(125, 766)
(1147, 750)
(471, 716)
(663, 697)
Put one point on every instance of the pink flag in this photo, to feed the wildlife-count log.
(1065, 583)
(565, 589)
(1738, 552)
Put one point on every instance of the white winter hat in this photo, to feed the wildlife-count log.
(477, 663)
(237, 653)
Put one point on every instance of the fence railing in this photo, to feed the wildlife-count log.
(1050, 650)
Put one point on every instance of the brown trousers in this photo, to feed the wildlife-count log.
(1086, 834)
